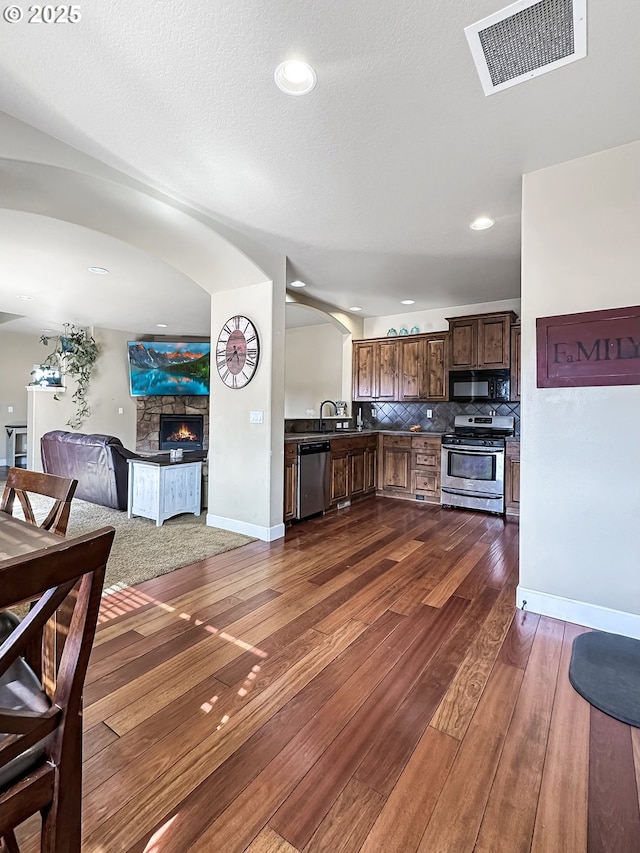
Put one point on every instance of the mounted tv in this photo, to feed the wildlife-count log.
(162, 368)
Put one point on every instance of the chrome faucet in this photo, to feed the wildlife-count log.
(322, 405)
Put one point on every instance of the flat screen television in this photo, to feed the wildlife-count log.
(161, 368)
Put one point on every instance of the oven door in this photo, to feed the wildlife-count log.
(474, 471)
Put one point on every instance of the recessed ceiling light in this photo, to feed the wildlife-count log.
(23, 296)
(298, 284)
(295, 77)
(162, 325)
(408, 301)
(481, 223)
(99, 270)
(355, 308)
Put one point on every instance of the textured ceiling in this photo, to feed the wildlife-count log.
(368, 183)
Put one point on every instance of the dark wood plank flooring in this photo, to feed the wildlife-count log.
(364, 685)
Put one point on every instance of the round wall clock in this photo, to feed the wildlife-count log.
(237, 352)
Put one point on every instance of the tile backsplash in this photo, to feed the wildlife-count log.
(405, 415)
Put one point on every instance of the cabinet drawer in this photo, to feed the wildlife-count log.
(427, 458)
(426, 481)
(396, 441)
(340, 445)
(425, 442)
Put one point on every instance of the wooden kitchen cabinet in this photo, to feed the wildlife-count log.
(480, 341)
(412, 372)
(370, 467)
(408, 369)
(357, 472)
(375, 370)
(514, 384)
(423, 368)
(340, 470)
(290, 481)
(395, 475)
(353, 467)
(436, 367)
(425, 467)
(512, 478)
(410, 467)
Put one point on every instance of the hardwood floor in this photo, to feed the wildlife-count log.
(364, 685)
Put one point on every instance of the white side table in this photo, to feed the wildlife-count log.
(162, 489)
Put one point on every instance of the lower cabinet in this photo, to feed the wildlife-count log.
(290, 480)
(401, 466)
(425, 460)
(396, 464)
(512, 479)
(353, 467)
(410, 467)
(340, 471)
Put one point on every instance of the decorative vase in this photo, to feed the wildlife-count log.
(391, 333)
(404, 331)
(415, 330)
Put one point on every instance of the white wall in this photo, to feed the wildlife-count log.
(433, 320)
(580, 457)
(313, 370)
(246, 460)
(18, 354)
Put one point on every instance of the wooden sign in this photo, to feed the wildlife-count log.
(592, 348)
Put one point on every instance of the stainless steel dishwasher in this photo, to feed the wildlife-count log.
(313, 478)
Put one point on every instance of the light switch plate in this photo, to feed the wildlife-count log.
(10, 409)
(256, 417)
(429, 413)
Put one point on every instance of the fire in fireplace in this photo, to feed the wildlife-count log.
(185, 431)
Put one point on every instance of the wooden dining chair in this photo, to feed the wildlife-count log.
(21, 483)
(41, 721)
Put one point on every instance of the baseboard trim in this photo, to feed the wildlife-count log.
(579, 612)
(267, 534)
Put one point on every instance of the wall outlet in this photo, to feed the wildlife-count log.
(339, 425)
(345, 424)
(429, 413)
(10, 409)
(256, 417)
(120, 410)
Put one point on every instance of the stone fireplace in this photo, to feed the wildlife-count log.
(181, 431)
(150, 411)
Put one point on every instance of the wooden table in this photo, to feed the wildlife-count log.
(17, 537)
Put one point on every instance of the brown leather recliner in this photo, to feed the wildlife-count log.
(97, 462)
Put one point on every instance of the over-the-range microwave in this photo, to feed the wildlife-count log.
(478, 386)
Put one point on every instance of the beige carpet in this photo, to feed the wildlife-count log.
(140, 549)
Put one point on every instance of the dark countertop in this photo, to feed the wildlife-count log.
(324, 436)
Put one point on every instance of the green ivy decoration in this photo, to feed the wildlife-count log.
(75, 353)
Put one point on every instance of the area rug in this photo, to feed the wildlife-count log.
(605, 669)
(140, 549)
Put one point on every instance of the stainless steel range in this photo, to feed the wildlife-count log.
(473, 462)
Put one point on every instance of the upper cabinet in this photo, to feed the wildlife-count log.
(412, 368)
(436, 366)
(375, 370)
(481, 341)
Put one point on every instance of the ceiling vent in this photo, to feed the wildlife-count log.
(527, 39)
